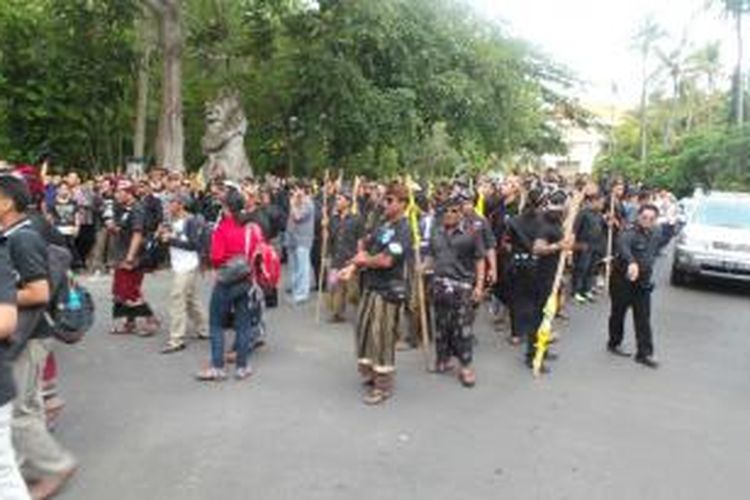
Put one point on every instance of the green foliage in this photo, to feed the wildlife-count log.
(373, 87)
(65, 79)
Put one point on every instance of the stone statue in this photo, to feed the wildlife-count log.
(224, 140)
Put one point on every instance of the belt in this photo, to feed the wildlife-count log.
(450, 284)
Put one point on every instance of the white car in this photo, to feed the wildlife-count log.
(715, 242)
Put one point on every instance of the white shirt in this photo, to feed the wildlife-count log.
(183, 261)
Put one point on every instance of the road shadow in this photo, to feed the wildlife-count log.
(714, 285)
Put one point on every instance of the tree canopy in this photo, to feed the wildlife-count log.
(372, 87)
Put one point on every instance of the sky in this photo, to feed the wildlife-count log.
(593, 37)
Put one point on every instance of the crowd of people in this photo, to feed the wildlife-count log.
(416, 259)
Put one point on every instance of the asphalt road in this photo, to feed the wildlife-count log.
(597, 428)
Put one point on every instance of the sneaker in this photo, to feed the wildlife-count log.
(580, 299)
(243, 373)
(590, 296)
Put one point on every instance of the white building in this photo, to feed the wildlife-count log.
(583, 144)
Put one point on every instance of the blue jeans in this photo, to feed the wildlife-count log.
(229, 300)
(300, 274)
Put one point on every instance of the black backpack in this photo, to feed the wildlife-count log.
(154, 255)
(71, 310)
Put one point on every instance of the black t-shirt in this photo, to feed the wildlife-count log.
(481, 226)
(394, 240)
(344, 235)
(64, 214)
(456, 252)
(7, 296)
(30, 262)
(129, 220)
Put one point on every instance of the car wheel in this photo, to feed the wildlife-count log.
(677, 277)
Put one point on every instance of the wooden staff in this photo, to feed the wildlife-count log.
(610, 242)
(544, 333)
(323, 247)
(355, 196)
(413, 216)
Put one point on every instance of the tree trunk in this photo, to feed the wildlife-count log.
(740, 100)
(141, 107)
(644, 119)
(170, 140)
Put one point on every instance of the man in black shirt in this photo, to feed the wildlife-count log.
(39, 454)
(631, 285)
(129, 238)
(457, 255)
(382, 258)
(11, 483)
(345, 232)
(548, 244)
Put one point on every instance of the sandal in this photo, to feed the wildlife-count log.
(443, 367)
(171, 348)
(375, 397)
(467, 377)
(151, 327)
(211, 375)
(127, 328)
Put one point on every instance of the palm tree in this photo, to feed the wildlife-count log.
(736, 9)
(648, 33)
(704, 70)
(675, 64)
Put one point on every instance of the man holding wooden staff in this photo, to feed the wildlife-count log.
(549, 241)
(381, 258)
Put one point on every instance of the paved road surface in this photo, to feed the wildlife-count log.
(598, 427)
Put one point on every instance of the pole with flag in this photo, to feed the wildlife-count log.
(544, 333)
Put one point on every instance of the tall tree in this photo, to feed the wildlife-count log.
(647, 35)
(145, 32)
(736, 10)
(170, 140)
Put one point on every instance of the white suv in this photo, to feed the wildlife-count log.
(715, 242)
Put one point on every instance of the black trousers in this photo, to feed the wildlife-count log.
(524, 302)
(626, 295)
(582, 264)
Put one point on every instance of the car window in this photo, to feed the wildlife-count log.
(724, 213)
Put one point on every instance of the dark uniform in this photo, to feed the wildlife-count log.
(641, 246)
(455, 253)
(589, 232)
(381, 306)
(344, 234)
(523, 301)
(550, 231)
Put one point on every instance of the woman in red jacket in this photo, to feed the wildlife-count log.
(230, 241)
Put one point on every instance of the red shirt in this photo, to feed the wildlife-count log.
(231, 239)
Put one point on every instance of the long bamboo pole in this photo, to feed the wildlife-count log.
(323, 248)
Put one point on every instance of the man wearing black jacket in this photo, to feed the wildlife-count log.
(40, 456)
(631, 285)
(183, 237)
